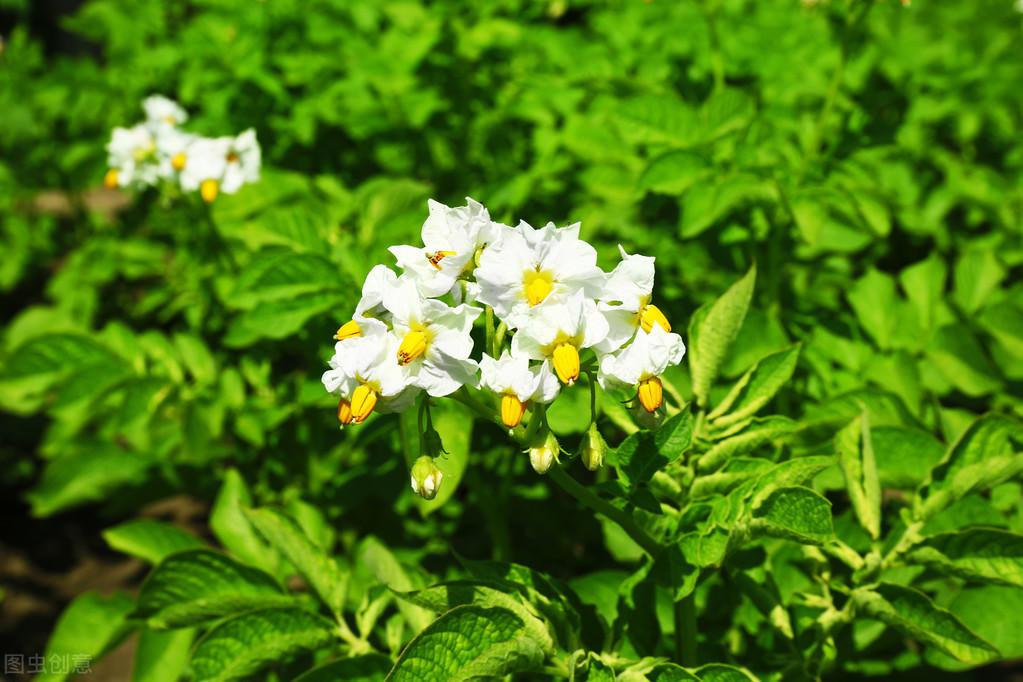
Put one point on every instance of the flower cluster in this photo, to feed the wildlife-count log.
(559, 315)
(158, 150)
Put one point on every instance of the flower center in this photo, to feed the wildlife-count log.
(566, 362)
(110, 179)
(209, 190)
(348, 330)
(178, 161)
(232, 157)
(537, 285)
(512, 410)
(412, 346)
(651, 315)
(437, 256)
(364, 399)
(651, 394)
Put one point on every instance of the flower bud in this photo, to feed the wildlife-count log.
(426, 478)
(593, 448)
(544, 452)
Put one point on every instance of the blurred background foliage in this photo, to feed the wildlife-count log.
(867, 156)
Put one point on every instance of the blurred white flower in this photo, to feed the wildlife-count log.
(131, 158)
(640, 364)
(526, 268)
(163, 111)
(222, 164)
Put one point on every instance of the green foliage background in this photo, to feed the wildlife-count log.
(866, 157)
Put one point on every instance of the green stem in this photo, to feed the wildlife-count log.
(685, 631)
(490, 331)
(622, 518)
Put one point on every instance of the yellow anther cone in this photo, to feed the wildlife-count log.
(364, 399)
(651, 315)
(348, 330)
(566, 363)
(178, 161)
(344, 412)
(512, 410)
(209, 190)
(412, 346)
(651, 394)
(538, 287)
(110, 179)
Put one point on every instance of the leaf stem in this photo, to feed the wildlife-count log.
(589, 499)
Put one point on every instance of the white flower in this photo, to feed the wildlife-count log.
(131, 156)
(435, 343)
(221, 164)
(640, 364)
(244, 158)
(557, 331)
(172, 146)
(163, 111)
(527, 267)
(451, 238)
(625, 301)
(518, 384)
(366, 376)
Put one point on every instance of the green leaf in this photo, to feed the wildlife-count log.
(795, 513)
(312, 563)
(78, 477)
(720, 672)
(670, 672)
(797, 471)
(367, 668)
(710, 200)
(240, 647)
(658, 119)
(980, 458)
(756, 388)
(455, 428)
(924, 286)
(466, 642)
(984, 554)
(977, 274)
(197, 358)
(856, 458)
(278, 319)
(904, 456)
(150, 540)
(374, 556)
(992, 612)
(643, 454)
(873, 299)
(228, 522)
(759, 432)
(914, 614)
(674, 172)
(711, 331)
(958, 356)
(201, 585)
(87, 628)
(599, 671)
(162, 655)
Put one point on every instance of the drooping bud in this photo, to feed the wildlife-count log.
(651, 394)
(412, 346)
(512, 410)
(593, 448)
(110, 179)
(209, 190)
(348, 330)
(344, 412)
(544, 452)
(364, 399)
(566, 363)
(651, 315)
(426, 477)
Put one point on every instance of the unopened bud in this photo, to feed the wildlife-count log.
(426, 478)
(543, 454)
(593, 448)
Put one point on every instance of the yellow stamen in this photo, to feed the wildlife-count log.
(566, 363)
(650, 315)
(348, 330)
(170, 120)
(437, 256)
(178, 161)
(344, 412)
(232, 157)
(512, 410)
(209, 190)
(412, 346)
(538, 286)
(651, 394)
(110, 179)
(364, 399)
